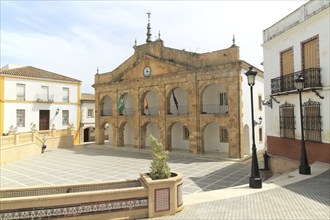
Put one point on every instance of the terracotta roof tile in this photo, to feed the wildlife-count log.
(32, 72)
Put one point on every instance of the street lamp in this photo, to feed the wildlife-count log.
(255, 180)
(304, 168)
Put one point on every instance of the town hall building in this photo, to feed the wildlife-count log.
(193, 102)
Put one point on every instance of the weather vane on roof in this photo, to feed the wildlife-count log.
(148, 28)
(233, 41)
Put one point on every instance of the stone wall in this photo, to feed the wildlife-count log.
(172, 69)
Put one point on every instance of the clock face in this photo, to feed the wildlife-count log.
(147, 71)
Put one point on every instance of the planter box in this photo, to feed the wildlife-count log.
(164, 195)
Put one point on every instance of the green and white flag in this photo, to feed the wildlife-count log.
(120, 105)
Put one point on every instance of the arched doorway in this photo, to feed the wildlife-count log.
(126, 134)
(89, 134)
(179, 137)
(152, 128)
(215, 138)
(108, 133)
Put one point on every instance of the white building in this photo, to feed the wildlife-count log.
(87, 126)
(34, 97)
(298, 44)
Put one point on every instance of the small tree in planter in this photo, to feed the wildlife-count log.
(159, 167)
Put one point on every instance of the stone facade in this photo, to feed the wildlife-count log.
(195, 81)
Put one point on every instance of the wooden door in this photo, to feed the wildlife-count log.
(44, 120)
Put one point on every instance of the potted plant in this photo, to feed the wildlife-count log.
(159, 168)
(164, 186)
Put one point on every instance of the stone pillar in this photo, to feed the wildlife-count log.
(115, 133)
(99, 135)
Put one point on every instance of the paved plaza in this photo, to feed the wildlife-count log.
(93, 163)
(214, 187)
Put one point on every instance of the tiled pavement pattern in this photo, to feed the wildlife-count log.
(307, 199)
(91, 163)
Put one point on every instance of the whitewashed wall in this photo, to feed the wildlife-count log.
(316, 25)
(212, 139)
(177, 137)
(84, 112)
(258, 89)
(31, 107)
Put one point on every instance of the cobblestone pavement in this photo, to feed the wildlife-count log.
(306, 199)
(92, 163)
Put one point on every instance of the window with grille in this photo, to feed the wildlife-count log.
(287, 62)
(223, 99)
(20, 91)
(260, 135)
(312, 121)
(90, 113)
(65, 117)
(260, 102)
(66, 95)
(310, 53)
(223, 134)
(185, 133)
(287, 120)
(20, 117)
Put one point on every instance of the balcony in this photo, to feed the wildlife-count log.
(20, 96)
(150, 111)
(181, 110)
(286, 83)
(65, 98)
(44, 98)
(215, 109)
(127, 112)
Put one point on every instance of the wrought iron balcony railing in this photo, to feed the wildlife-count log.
(127, 112)
(215, 109)
(151, 111)
(45, 98)
(286, 83)
(181, 110)
(20, 96)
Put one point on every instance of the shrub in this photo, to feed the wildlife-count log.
(159, 167)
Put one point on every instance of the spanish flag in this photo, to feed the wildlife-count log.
(146, 105)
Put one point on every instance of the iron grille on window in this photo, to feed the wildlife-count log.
(223, 134)
(65, 117)
(312, 121)
(287, 120)
(20, 117)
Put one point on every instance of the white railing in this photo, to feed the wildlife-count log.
(7, 141)
(27, 137)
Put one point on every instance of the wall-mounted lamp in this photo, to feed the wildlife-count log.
(269, 103)
(57, 111)
(258, 123)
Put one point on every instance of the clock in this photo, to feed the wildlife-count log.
(147, 71)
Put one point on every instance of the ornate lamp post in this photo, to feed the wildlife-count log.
(304, 168)
(255, 180)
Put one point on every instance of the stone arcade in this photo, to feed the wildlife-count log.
(189, 101)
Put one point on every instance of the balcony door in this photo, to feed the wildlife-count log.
(287, 62)
(310, 53)
(43, 120)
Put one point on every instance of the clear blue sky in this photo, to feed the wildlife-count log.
(73, 38)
